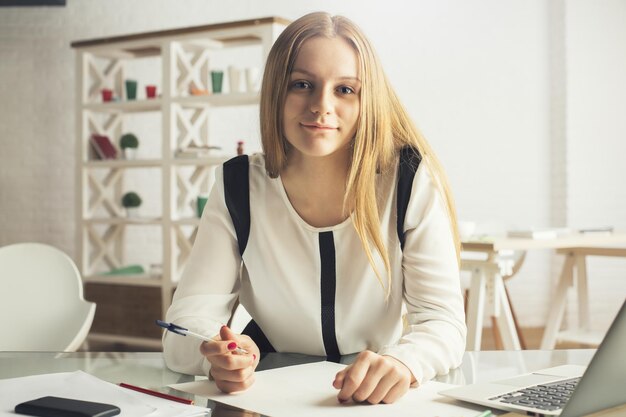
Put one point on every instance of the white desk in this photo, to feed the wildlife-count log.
(487, 293)
(148, 369)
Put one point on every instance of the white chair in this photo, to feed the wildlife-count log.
(41, 300)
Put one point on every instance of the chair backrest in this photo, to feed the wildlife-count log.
(41, 300)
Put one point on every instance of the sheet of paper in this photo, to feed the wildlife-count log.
(307, 391)
(83, 386)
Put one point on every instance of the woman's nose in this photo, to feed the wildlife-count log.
(321, 102)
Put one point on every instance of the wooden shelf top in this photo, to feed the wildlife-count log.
(155, 104)
(140, 280)
(110, 41)
(189, 221)
(122, 163)
(125, 220)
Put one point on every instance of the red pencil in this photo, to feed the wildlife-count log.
(157, 394)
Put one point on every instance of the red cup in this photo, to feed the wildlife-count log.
(107, 94)
(151, 91)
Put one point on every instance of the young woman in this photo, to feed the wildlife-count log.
(327, 270)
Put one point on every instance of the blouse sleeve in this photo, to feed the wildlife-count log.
(208, 286)
(433, 339)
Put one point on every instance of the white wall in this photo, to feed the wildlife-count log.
(478, 78)
(596, 132)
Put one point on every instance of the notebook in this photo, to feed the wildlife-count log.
(103, 146)
(566, 391)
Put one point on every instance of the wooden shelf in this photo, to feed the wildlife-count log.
(194, 221)
(148, 38)
(156, 163)
(125, 220)
(141, 280)
(123, 163)
(219, 100)
(202, 160)
(184, 62)
(134, 106)
(154, 105)
(191, 221)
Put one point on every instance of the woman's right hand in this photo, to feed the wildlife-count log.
(231, 371)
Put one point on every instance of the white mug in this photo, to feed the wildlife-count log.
(234, 79)
(252, 79)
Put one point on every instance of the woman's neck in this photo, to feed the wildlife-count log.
(316, 187)
(317, 172)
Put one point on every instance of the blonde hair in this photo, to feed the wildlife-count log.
(383, 127)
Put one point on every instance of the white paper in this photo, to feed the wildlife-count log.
(307, 391)
(82, 386)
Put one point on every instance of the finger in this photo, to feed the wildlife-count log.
(227, 334)
(353, 378)
(215, 348)
(229, 387)
(236, 375)
(396, 392)
(241, 341)
(375, 373)
(338, 381)
(245, 342)
(381, 390)
(231, 362)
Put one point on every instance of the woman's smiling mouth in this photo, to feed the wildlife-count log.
(318, 126)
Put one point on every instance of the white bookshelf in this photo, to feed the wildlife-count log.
(184, 59)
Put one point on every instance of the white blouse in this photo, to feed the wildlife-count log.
(282, 268)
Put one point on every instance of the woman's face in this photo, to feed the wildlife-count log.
(322, 103)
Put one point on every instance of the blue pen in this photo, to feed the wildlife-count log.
(174, 328)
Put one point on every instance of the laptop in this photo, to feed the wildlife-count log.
(566, 391)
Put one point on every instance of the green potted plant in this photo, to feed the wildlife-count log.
(129, 144)
(131, 202)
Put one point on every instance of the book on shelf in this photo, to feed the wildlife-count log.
(126, 270)
(103, 146)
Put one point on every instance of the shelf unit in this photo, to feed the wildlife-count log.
(184, 57)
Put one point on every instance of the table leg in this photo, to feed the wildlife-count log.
(504, 318)
(520, 335)
(475, 310)
(555, 315)
(496, 333)
(583, 292)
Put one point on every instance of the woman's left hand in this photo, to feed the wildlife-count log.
(373, 378)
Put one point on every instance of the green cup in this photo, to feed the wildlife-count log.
(201, 202)
(217, 77)
(131, 89)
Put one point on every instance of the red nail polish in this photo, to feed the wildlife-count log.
(232, 346)
(342, 401)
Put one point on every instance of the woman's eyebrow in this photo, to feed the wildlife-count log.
(310, 74)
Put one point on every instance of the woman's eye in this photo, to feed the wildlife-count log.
(301, 85)
(346, 90)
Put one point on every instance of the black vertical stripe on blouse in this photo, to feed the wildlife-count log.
(328, 285)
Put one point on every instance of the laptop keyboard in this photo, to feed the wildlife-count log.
(549, 397)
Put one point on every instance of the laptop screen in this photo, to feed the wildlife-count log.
(603, 384)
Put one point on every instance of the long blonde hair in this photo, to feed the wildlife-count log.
(383, 127)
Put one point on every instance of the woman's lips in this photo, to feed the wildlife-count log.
(318, 126)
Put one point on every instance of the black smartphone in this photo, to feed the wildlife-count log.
(65, 407)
